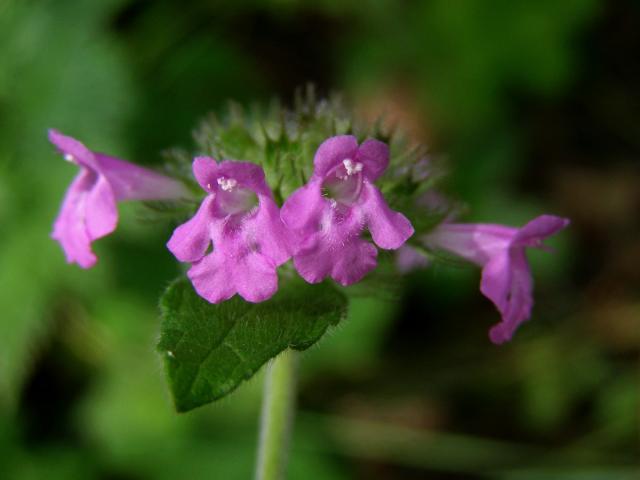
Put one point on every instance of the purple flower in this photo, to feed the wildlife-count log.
(89, 208)
(501, 252)
(242, 221)
(331, 211)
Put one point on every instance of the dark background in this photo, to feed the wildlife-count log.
(535, 107)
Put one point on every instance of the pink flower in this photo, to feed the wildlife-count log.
(242, 221)
(501, 252)
(89, 209)
(331, 211)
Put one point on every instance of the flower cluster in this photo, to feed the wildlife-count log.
(320, 226)
(331, 226)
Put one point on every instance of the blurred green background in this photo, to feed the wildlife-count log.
(536, 107)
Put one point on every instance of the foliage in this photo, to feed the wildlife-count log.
(210, 349)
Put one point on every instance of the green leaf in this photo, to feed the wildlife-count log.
(209, 350)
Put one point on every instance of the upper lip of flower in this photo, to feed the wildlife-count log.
(73, 150)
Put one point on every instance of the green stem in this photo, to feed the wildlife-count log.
(278, 405)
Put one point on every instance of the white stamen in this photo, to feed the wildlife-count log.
(227, 184)
(68, 157)
(351, 166)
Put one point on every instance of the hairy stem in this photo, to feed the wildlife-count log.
(278, 405)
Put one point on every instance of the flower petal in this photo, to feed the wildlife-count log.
(374, 155)
(336, 251)
(389, 229)
(70, 146)
(190, 240)
(534, 232)
(312, 261)
(220, 275)
(205, 169)
(100, 212)
(212, 277)
(255, 277)
(496, 280)
(267, 231)
(131, 182)
(332, 152)
(507, 282)
(356, 259)
(249, 175)
(475, 242)
(69, 228)
(303, 209)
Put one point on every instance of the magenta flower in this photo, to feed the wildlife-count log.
(89, 208)
(242, 221)
(501, 252)
(331, 211)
